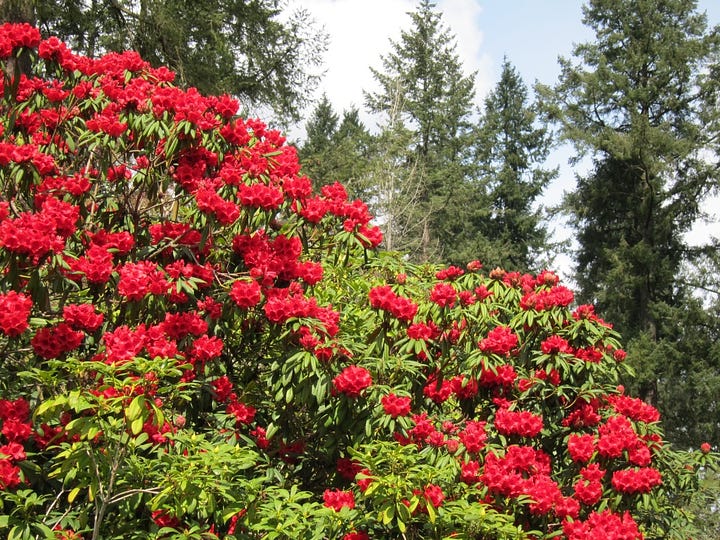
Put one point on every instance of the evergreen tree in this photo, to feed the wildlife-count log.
(219, 46)
(334, 150)
(424, 90)
(639, 103)
(319, 132)
(511, 151)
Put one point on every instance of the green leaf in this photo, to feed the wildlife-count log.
(135, 410)
(136, 426)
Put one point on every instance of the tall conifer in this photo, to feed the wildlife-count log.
(640, 102)
(424, 89)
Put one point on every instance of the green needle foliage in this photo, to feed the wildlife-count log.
(511, 149)
(424, 90)
(641, 102)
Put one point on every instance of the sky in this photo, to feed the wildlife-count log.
(531, 33)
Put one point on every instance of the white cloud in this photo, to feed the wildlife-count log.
(463, 19)
(360, 34)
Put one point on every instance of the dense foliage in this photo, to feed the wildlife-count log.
(195, 345)
(261, 51)
(641, 101)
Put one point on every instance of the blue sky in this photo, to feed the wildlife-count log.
(532, 33)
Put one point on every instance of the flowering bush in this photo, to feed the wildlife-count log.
(196, 345)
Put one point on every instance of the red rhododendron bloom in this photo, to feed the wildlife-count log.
(603, 525)
(140, 279)
(180, 325)
(206, 348)
(260, 196)
(443, 294)
(16, 430)
(583, 415)
(82, 317)
(581, 447)
(337, 499)
(588, 492)
(638, 480)
(500, 340)
(358, 535)
(450, 273)
(502, 375)
(352, 381)
(14, 313)
(434, 495)
(53, 341)
(616, 435)
(547, 298)
(245, 294)
(423, 331)
(123, 343)
(163, 519)
(634, 408)
(96, 265)
(384, 298)
(522, 423)
(9, 474)
(396, 405)
(13, 450)
(437, 390)
(555, 345)
(469, 472)
(348, 468)
(473, 436)
(243, 413)
(464, 387)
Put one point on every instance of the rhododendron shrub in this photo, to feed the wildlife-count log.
(197, 345)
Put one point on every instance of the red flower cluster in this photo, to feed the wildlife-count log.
(423, 331)
(14, 313)
(521, 423)
(581, 447)
(82, 317)
(396, 405)
(352, 381)
(443, 294)
(338, 499)
(16, 428)
(384, 298)
(637, 480)
(547, 298)
(245, 294)
(473, 436)
(526, 471)
(500, 340)
(589, 489)
(605, 525)
(616, 435)
(54, 341)
(556, 345)
(634, 408)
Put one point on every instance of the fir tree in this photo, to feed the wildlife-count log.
(511, 151)
(336, 150)
(640, 103)
(424, 90)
